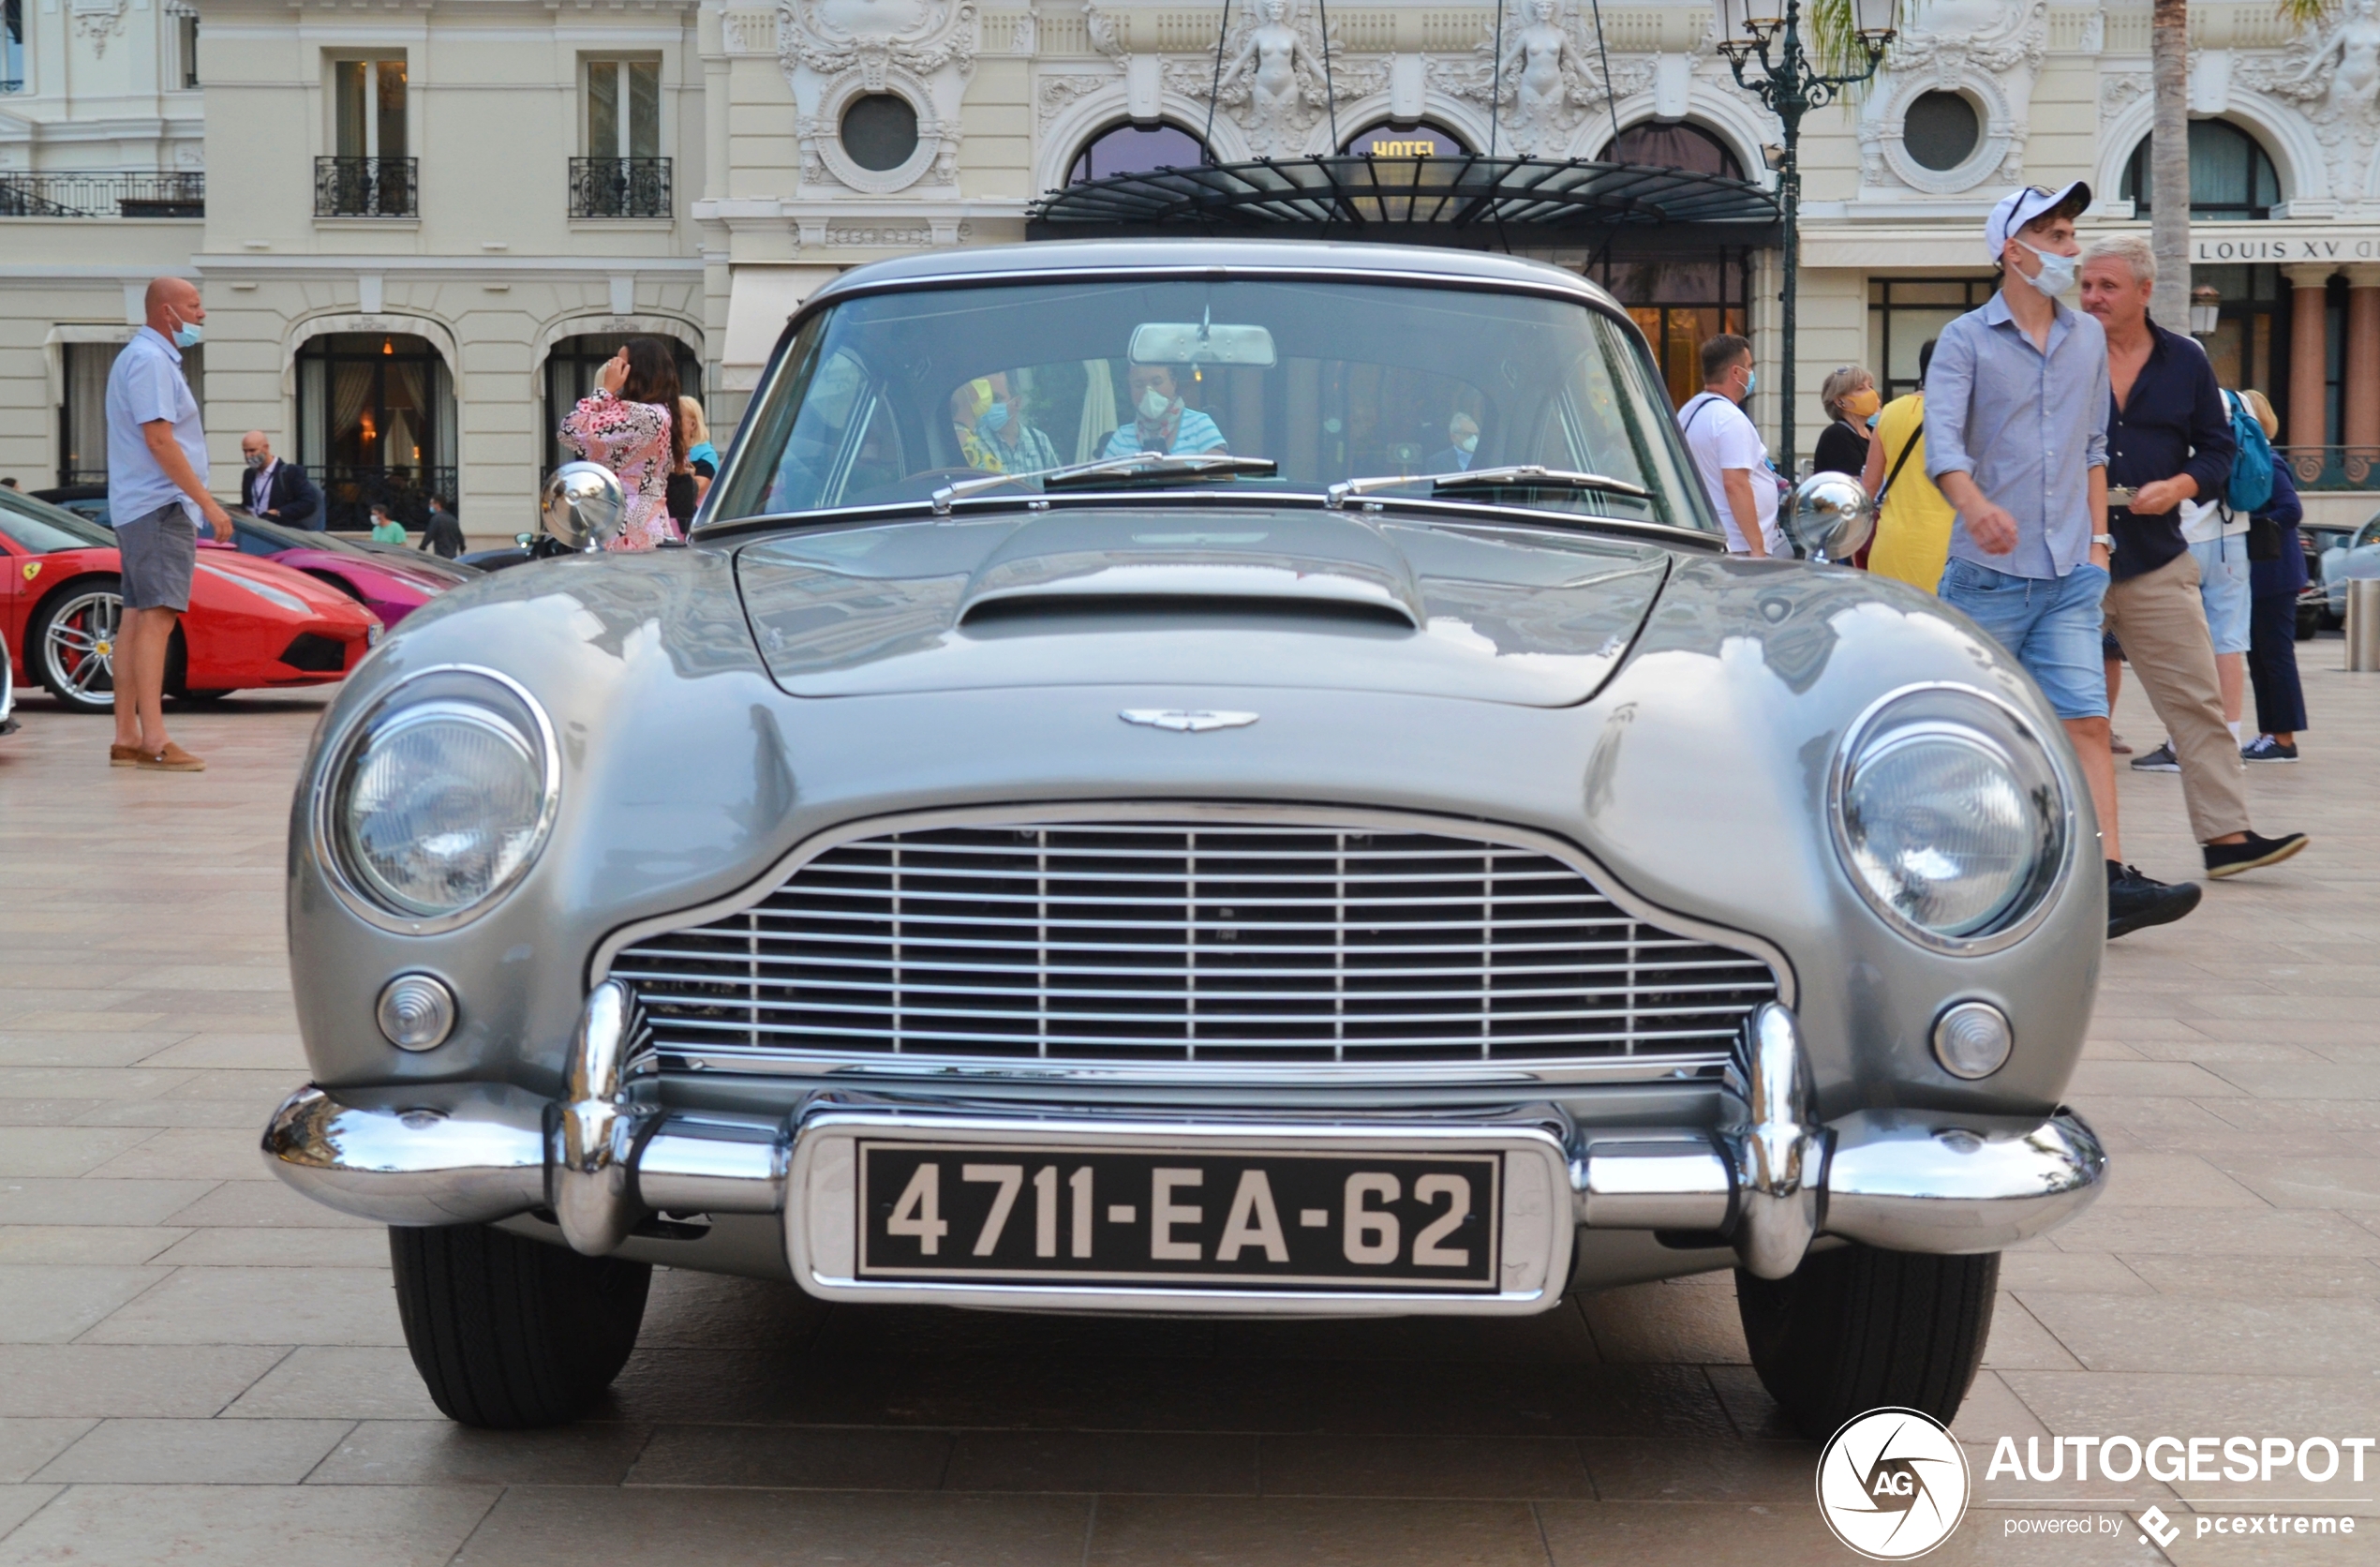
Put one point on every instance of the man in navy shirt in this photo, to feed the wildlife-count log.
(2170, 440)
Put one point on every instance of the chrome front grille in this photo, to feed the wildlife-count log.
(1181, 941)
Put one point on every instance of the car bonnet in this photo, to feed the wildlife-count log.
(1533, 615)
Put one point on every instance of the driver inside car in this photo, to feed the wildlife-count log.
(1161, 422)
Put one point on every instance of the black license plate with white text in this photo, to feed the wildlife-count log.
(1219, 1219)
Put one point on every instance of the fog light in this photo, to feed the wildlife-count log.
(1972, 1039)
(417, 1012)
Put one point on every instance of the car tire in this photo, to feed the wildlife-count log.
(76, 689)
(1858, 1328)
(509, 1333)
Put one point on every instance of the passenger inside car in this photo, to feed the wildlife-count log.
(1160, 420)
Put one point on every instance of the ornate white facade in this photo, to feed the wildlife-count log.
(976, 107)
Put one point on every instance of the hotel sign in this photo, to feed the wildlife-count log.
(2232, 246)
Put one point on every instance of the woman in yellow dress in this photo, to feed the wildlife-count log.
(1912, 527)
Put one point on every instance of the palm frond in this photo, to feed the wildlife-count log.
(1833, 37)
(2304, 14)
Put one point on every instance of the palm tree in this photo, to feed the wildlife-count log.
(2169, 148)
(2169, 161)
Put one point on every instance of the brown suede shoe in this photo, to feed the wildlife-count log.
(123, 756)
(171, 759)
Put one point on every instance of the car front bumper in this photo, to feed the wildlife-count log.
(1767, 1185)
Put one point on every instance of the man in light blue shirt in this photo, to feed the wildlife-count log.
(1161, 422)
(157, 494)
(2016, 440)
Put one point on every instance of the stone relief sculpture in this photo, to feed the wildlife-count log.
(1547, 82)
(1990, 52)
(835, 51)
(2349, 56)
(1274, 83)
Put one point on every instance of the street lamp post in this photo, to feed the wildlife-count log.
(1790, 87)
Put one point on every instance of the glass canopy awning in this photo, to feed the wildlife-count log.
(1468, 199)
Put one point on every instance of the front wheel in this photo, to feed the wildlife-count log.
(509, 1332)
(1857, 1328)
(71, 644)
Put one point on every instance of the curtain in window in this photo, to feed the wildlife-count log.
(87, 366)
(354, 423)
(407, 424)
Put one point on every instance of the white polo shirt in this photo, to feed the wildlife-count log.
(1719, 437)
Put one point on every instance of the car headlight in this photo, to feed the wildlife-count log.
(1951, 816)
(438, 801)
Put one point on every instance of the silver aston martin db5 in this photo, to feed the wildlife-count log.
(1194, 777)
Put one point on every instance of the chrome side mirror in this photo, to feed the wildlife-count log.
(1831, 516)
(583, 506)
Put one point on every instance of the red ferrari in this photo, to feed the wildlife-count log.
(251, 623)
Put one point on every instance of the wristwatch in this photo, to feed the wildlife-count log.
(2106, 541)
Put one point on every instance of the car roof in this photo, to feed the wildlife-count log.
(1417, 264)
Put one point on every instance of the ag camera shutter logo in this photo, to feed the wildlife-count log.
(1892, 1483)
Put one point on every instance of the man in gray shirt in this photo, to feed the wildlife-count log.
(2016, 440)
(156, 492)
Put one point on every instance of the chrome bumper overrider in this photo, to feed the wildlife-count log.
(1766, 1185)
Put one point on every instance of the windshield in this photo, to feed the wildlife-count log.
(258, 535)
(888, 399)
(41, 528)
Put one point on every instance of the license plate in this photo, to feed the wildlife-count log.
(1191, 1217)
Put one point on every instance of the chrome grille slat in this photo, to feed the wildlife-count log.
(1186, 942)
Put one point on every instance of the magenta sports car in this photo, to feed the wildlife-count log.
(391, 581)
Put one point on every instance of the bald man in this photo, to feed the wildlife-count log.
(157, 494)
(276, 489)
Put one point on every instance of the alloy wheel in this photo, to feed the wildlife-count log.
(77, 648)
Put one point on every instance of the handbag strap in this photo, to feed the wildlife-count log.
(1899, 463)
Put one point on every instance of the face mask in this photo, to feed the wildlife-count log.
(1751, 380)
(255, 460)
(1468, 445)
(994, 420)
(2057, 273)
(1873, 417)
(188, 334)
(1153, 405)
(1863, 405)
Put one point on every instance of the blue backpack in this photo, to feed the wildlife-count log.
(2249, 490)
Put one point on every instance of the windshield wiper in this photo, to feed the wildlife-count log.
(1138, 466)
(1516, 476)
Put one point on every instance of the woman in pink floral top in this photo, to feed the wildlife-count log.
(630, 425)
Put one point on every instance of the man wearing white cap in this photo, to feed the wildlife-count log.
(2016, 440)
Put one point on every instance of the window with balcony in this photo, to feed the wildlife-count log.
(369, 175)
(623, 173)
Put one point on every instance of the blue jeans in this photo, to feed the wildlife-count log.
(2051, 625)
(2223, 587)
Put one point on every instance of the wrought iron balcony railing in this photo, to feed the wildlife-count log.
(619, 187)
(97, 193)
(366, 187)
(2333, 468)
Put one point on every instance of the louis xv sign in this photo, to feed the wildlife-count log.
(2324, 245)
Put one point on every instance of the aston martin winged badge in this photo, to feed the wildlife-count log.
(1186, 721)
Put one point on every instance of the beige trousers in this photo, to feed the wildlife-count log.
(2161, 622)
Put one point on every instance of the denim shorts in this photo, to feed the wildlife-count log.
(2051, 625)
(2223, 587)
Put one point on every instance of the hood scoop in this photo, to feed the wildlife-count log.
(1302, 599)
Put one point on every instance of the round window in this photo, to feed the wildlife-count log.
(880, 131)
(1941, 130)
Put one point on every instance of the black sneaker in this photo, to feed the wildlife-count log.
(2263, 748)
(2135, 902)
(2254, 853)
(2160, 760)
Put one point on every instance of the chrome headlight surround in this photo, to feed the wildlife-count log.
(1992, 729)
(464, 691)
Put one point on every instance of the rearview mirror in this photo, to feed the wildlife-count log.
(583, 505)
(1201, 343)
(1830, 516)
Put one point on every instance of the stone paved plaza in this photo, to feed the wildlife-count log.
(197, 1366)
